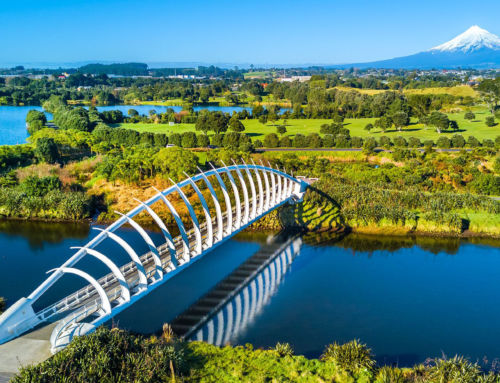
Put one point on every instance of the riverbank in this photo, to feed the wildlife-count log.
(99, 357)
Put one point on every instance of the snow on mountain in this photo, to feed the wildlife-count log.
(472, 39)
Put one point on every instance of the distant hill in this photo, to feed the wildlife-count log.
(475, 48)
(126, 69)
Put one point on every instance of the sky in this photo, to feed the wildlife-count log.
(232, 31)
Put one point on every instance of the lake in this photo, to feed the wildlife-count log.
(407, 298)
(13, 118)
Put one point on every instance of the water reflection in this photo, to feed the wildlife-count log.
(225, 311)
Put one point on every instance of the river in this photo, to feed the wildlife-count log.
(407, 298)
(13, 118)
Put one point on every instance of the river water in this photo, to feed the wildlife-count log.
(408, 299)
(13, 118)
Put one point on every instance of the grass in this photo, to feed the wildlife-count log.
(256, 130)
(459, 91)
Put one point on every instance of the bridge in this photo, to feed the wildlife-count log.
(254, 191)
(235, 302)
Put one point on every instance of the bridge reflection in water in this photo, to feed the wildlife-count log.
(232, 305)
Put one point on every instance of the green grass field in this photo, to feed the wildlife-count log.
(256, 130)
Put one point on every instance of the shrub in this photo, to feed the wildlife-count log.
(443, 142)
(458, 141)
(356, 142)
(473, 142)
(188, 140)
(414, 142)
(428, 143)
(369, 145)
(285, 142)
(385, 142)
(342, 141)
(299, 141)
(313, 140)
(46, 150)
(281, 129)
(400, 142)
(390, 375)
(175, 139)
(487, 143)
(496, 165)
(39, 186)
(202, 140)
(469, 115)
(457, 369)
(490, 121)
(368, 127)
(258, 144)
(216, 139)
(160, 139)
(353, 356)
(283, 349)
(2, 305)
(271, 140)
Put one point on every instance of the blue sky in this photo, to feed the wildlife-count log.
(212, 31)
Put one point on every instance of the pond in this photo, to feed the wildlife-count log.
(407, 298)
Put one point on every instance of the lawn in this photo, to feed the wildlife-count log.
(460, 91)
(256, 130)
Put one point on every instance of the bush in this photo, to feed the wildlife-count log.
(428, 143)
(457, 369)
(285, 142)
(258, 144)
(283, 349)
(400, 142)
(299, 141)
(353, 357)
(356, 142)
(458, 141)
(46, 150)
(490, 121)
(188, 140)
(487, 143)
(443, 142)
(414, 142)
(2, 305)
(38, 187)
(473, 142)
(314, 140)
(175, 139)
(369, 145)
(281, 129)
(328, 141)
(342, 141)
(385, 142)
(202, 140)
(271, 140)
(469, 116)
(35, 120)
(217, 139)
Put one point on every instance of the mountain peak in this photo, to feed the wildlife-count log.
(471, 40)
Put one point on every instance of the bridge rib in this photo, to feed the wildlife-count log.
(168, 237)
(245, 195)
(252, 187)
(236, 196)
(185, 241)
(196, 224)
(229, 209)
(125, 289)
(106, 305)
(220, 222)
(149, 242)
(206, 210)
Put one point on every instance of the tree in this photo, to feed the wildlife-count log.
(263, 119)
(400, 120)
(369, 145)
(453, 125)
(368, 127)
(443, 142)
(400, 142)
(271, 140)
(46, 150)
(383, 123)
(469, 116)
(414, 142)
(132, 113)
(235, 124)
(458, 141)
(473, 142)
(490, 121)
(188, 140)
(203, 140)
(490, 90)
(285, 142)
(35, 120)
(439, 120)
(281, 129)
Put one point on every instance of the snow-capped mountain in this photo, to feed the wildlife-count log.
(473, 39)
(475, 48)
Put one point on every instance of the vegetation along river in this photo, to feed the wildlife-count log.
(407, 298)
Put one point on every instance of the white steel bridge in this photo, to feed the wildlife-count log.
(254, 191)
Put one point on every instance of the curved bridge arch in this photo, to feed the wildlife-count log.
(145, 273)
